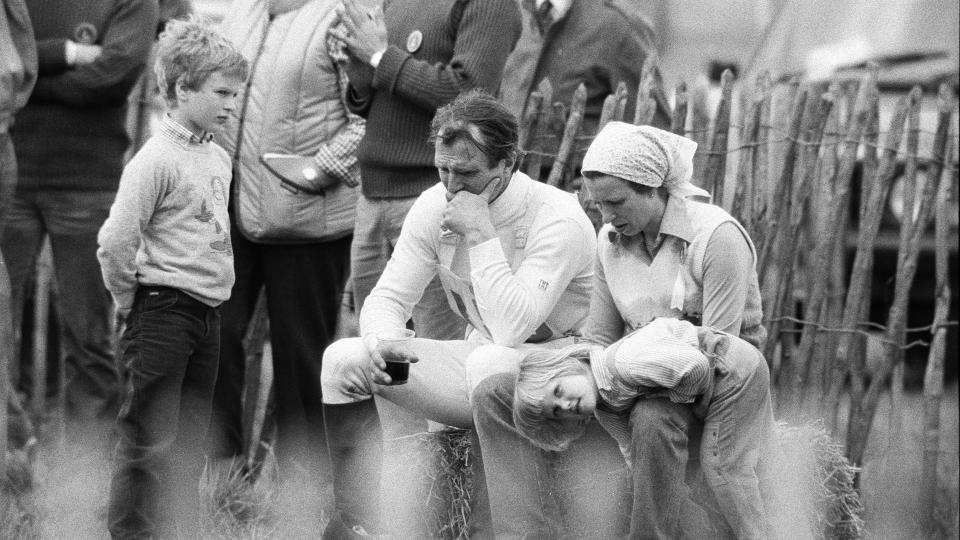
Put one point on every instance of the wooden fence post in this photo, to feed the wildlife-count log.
(856, 305)
(933, 376)
(538, 127)
(258, 331)
(716, 163)
(912, 229)
(678, 121)
(646, 107)
(41, 326)
(6, 357)
(569, 136)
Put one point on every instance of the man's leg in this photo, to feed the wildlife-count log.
(225, 437)
(304, 285)
(434, 390)
(21, 240)
(659, 446)
(86, 310)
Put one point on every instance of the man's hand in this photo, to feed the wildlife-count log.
(366, 31)
(379, 351)
(468, 214)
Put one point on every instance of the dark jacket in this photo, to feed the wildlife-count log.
(72, 133)
(462, 44)
(599, 43)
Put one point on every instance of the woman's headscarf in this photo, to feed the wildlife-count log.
(644, 155)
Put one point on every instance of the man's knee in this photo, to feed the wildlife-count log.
(339, 358)
(657, 420)
(490, 360)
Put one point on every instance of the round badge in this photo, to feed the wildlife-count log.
(414, 40)
(85, 33)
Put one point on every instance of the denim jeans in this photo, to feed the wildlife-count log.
(170, 350)
(71, 219)
(583, 492)
(737, 437)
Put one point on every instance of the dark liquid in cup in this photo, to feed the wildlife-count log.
(399, 372)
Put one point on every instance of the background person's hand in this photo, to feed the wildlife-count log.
(366, 31)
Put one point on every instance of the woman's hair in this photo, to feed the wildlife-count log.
(191, 51)
(536, 370)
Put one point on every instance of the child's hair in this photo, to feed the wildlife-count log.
(191, 51)
(537, 369)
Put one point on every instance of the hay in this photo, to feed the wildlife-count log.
(813, 494)
(437, 480)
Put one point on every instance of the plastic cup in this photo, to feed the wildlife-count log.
(394, 346)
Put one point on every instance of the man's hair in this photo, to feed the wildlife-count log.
(481, 119)
(191, 51)
(538, 368)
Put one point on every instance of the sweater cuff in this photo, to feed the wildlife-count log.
(485, 254)
(388, 70)
(52, 56)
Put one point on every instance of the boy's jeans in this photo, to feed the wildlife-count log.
(170, 349)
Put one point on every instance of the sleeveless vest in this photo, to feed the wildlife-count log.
(291, 104)
(674, 278)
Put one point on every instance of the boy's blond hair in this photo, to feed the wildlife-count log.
(191, 51)
(537, 369)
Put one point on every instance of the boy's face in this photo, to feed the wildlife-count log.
(207, 108)
(570, 396)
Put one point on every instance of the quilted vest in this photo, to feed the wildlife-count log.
(291, 104)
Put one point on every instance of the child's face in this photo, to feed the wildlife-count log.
(208, 108)
(570, 396)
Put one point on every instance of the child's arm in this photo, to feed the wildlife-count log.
(120, 236)
(640, 367)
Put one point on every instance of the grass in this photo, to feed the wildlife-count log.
(63, 493)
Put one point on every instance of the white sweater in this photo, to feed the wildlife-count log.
(168, 225)
(550, 285)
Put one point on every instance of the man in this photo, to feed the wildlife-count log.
(514, 257)
(70, 142)
(406, 61)
(599, 43)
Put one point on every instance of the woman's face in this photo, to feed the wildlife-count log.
(621, 205)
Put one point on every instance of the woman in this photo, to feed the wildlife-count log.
(663, 254)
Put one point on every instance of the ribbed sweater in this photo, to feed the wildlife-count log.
(72, 133)
(465, 44)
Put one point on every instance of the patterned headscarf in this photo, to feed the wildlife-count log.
(644, 155)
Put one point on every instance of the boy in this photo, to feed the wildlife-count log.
(166, 258)
(724, 377)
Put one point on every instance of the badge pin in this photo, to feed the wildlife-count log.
(85, 33)
(414, 40)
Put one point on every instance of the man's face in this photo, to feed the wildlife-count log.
(463, 167)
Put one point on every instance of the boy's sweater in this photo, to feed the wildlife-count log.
(168, 225)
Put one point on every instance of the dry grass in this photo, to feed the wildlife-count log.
(427, 490)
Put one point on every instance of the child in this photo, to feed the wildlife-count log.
(166, 258)
(724, 378)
